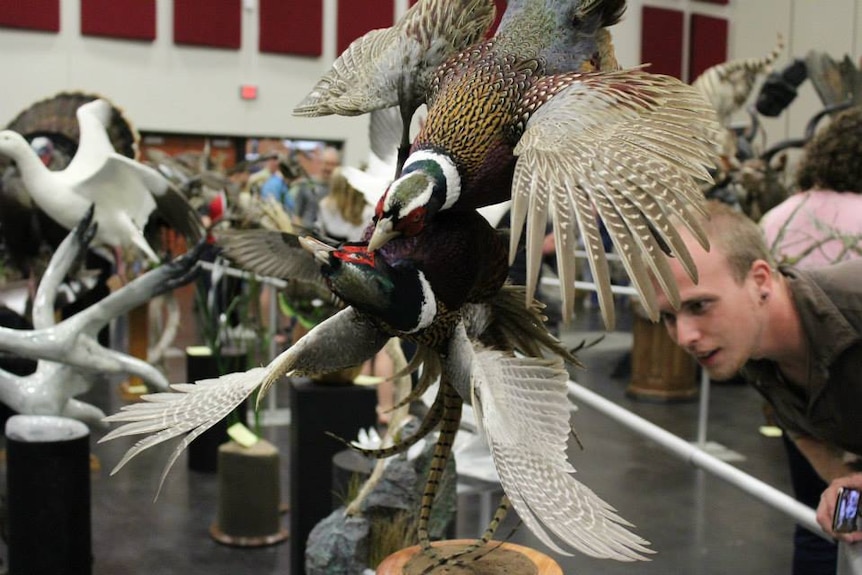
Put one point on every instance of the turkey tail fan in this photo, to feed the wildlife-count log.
(55, 117)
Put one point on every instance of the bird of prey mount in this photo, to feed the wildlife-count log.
(540, 113)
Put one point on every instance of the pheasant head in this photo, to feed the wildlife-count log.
(398, 295)
(429, 182)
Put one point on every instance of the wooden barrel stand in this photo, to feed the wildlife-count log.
(661, 370)
(503, 559)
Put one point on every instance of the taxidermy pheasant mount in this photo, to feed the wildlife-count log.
(539, 113)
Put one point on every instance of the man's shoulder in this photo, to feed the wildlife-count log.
(841, 286)
(841, 278)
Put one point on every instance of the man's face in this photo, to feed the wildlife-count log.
(720, 321)
(329, 161)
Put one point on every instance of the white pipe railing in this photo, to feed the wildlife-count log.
(850, 556)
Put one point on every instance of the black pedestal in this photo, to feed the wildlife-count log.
(48, 482)
(316, 409)
(203, 451)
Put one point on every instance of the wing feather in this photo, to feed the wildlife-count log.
(190, 411)
(629, 147)
(270, 253)
(394, 66)
(524, 413)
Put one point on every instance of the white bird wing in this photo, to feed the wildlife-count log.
(628, 147)
(189, 412)
(524, 414)
(123, 202)
(94, 144)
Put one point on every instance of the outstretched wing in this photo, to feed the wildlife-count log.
(345, 339)
(189, 412)
(522, 407)
(270, 253)
(393, 66)
(627, 147)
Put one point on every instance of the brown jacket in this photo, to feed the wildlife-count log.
(828, 406)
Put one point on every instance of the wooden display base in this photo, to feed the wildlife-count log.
(237, 541)
(661, 370)
(503, 559)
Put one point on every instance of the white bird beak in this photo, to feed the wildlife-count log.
(382, 234)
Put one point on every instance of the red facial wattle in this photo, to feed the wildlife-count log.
(358, 255)
(413, 223)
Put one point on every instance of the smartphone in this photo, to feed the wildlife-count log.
(846, 518)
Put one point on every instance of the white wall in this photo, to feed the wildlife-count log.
(832, 26)
(164, 87)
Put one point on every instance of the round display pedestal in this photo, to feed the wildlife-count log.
(498, 559)
(249, 511)
(48, 483)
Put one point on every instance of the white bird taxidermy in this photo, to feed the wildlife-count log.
(52, 388)
(124, 192)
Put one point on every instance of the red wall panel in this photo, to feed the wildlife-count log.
(356, 18)
(501, 7)
(133, 19)
(661, 40)
(208, 23)
(291, 27)
(708, 45)
(33, 14)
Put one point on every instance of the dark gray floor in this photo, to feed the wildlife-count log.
(697, 524)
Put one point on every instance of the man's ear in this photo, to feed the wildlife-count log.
(761, 272)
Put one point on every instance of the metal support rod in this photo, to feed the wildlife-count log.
(273, 344)
(703, 409)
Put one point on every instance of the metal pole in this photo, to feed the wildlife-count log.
(271, 404)
(703, 411)
(849, 559)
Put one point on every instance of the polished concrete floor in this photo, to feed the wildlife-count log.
(697, 524)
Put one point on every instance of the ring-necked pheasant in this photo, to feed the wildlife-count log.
(539, 113)
(467, 327)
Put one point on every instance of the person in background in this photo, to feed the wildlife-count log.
(308, 191)
(278, 185)
(259, 177)
(44, 148)
(822, 224)
(343, 213)
(817, 227)
(795, 335)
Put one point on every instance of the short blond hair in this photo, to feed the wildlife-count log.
(736, 236)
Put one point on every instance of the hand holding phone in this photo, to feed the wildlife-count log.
(846, 518)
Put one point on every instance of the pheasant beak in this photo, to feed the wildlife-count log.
(318, 249)
(382, 234)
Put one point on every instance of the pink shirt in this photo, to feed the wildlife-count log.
(820, 227)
